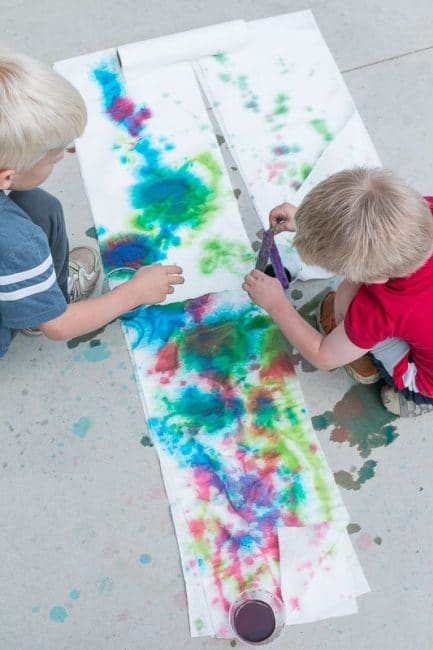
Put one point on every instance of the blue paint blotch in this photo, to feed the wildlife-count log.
(81, 427)
(58, 614)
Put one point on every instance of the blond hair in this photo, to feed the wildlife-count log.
(39, 111)
(365, 225)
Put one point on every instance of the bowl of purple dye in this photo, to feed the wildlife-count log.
(257, 617)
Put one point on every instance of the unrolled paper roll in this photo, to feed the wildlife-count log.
(184, 46)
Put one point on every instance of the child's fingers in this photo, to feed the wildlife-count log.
(176, 279)
(258, 275)
(170, 290)
(173, 268)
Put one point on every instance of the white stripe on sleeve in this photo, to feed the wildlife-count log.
(29, 291)
(26, 275)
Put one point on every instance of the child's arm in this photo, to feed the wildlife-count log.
(149, 285)
(324, 352)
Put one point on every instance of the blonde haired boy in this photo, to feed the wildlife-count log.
(40, 281)
(372, 229)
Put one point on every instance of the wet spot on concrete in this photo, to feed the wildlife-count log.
(353, 528)
(360, 419)
(105, 585)
(348, 481)
(81, 427)
(73, 343)
(91, 232)
(296, 294)
(378, 540)
(97, 353)
(220, 139)
(237, 192)
(58, 614)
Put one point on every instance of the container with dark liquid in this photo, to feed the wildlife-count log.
(256, 617)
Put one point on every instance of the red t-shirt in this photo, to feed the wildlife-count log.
(403, 308)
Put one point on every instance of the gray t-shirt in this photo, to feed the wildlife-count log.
(29, 293)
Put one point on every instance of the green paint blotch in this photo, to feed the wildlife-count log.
(230, 255)
(146, 441)
(320, 126)
(199, 624)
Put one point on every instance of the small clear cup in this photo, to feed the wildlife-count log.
(269, 632)
(115, 278)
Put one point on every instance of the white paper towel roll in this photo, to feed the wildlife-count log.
(184, 46)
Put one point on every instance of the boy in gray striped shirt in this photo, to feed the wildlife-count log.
(41, 283)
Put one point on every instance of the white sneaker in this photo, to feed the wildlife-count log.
(84, 271)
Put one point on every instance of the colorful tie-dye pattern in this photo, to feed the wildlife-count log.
(170, 203)
(227, 412)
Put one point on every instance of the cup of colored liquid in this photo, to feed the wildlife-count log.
(257, 617)
(116, 277)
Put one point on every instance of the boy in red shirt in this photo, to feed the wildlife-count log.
(376, 232)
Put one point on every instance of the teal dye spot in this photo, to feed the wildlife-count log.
(105, 585)
(146, 441)
(81, 426)
(98, 353)
(74, 594)
(145, 558)
(36, 610)
(91, 232)
(58, 614)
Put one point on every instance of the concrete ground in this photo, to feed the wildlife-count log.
(88, 566)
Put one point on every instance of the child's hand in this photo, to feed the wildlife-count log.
(282, 217)
(264, 291)
(153, 283)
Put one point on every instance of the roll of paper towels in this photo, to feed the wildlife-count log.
(184, 46)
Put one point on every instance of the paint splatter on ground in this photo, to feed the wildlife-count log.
(296, 294)
(145, 558)
(359, 419)
(146, 441)
(91, 232)
(85, 338)
(74, 594)
(81, 427)
(105, 585)
(364, 474)
(58, 614)
(353, 528)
